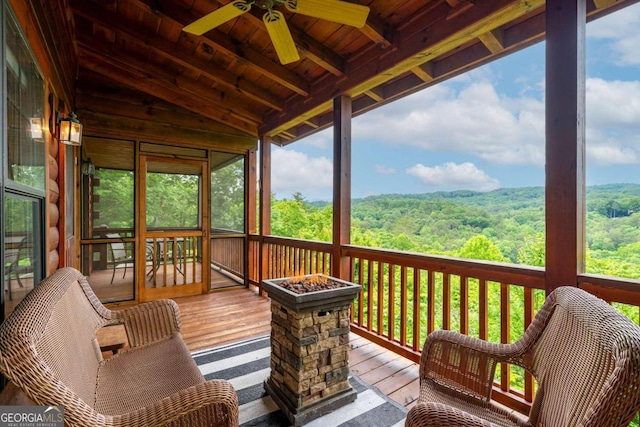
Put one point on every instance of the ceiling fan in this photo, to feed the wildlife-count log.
(338, 11)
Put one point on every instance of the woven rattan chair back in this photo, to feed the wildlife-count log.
(37, 338)
(583, 353)
(586, 359)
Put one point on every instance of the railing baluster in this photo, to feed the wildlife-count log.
(505, 333)
(483, 310)
(464, 305)
(431, 302)
(361, 297)
(380, 326)
(403, 305)
(369, 294)
(416, 309)
(446, 301)
(528, 318)
(391, 325)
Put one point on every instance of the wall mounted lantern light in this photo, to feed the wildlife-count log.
(70, 130)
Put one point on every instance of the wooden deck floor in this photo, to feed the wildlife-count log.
(232, 315)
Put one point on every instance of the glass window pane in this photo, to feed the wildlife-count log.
(22, 249)
(25, 101)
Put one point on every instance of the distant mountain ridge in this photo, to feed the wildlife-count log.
(522, 196)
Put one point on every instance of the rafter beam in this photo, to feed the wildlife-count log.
(414, 49)
(163, 78)
(109, 125)
(220, 42)
(162, 88)
(171, 51)
(376, 93)
(493, 40)
(424, 72)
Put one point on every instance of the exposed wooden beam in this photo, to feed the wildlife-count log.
(220, 42)
(493, 40)
(149, 111)
(107, 125)
(374, 29)
(162, 89)
(603, 4)
(424, 72)
(459, 8)
(165, 79)
(170, 50)
(413, 50)
(376, 93)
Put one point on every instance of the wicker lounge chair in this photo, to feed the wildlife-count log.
(49, 350)
(583, 353)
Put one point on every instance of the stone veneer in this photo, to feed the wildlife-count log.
(309, 361)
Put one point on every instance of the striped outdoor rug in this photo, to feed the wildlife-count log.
(246, 366)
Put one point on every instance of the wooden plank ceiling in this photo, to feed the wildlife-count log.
(136, 63)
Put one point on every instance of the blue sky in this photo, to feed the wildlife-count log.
(485, 129)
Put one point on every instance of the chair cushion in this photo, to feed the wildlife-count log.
(143, 375)
(493, 414)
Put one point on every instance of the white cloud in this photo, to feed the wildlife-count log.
(613, 103)
(452, 176)
(322, 140)
(611, 155)
(620, 29)
(384, 170)
(293, 171)
(613, 121)
(475, 120)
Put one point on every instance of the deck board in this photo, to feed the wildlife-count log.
(228, 316)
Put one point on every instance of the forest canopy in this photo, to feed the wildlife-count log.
(501, 225)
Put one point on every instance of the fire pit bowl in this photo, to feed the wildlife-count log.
(310, 345)
(335, 292)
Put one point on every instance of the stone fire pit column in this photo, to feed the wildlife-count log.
(310, 350)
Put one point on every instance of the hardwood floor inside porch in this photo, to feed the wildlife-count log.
(233, 315)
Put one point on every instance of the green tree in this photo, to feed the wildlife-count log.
(480, 247)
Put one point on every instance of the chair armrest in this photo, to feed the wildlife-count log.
(462, 364)
(212, 403)
(150, 321)
(433, 414)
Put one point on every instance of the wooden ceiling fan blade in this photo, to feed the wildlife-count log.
(338, 11)
(281, 37)
(217, 17)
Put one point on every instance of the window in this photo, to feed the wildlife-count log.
(23, 168)
(25, 101)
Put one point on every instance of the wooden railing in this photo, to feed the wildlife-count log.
(227, 253)
(405, 296)
(274, 257)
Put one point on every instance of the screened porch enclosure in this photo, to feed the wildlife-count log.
(164, 224)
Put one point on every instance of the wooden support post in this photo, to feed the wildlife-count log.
(250, 213)
(342, 108)
(565, 141)
(265, 206)
(251, 177)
